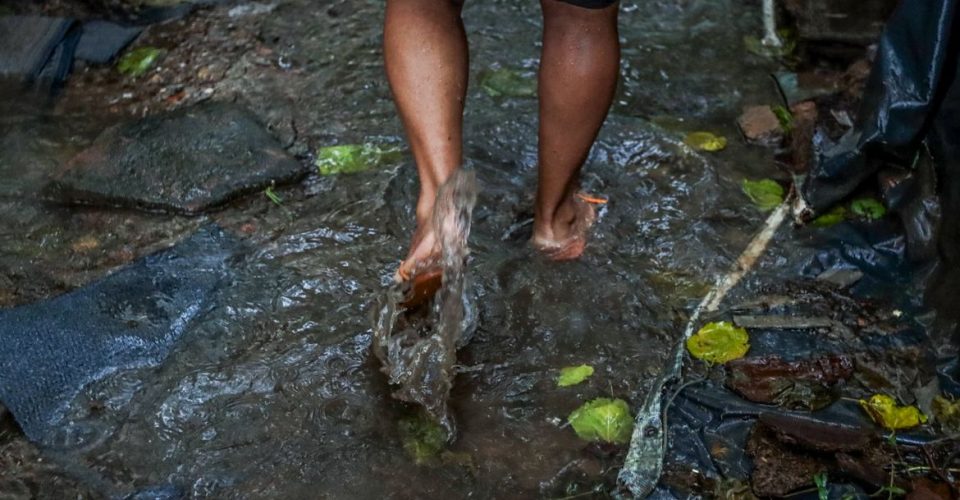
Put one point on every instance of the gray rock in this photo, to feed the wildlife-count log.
(187, 161)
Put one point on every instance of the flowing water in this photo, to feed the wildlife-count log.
(275, 393)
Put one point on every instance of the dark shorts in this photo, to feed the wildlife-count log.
(591, 4)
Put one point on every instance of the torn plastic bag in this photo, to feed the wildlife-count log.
(906, 89)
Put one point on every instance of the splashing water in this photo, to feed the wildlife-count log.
(418, 346)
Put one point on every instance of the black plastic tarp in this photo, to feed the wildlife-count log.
(906, 141)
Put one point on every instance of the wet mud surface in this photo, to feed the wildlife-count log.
(274, 391)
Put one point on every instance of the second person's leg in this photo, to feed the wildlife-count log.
(579, 67)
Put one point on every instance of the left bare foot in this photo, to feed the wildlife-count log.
(566, 238)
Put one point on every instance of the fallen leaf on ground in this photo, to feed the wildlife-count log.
(138, 61)
(766, 194)
(705, 141)
(719, 342)
(603, 419)
(353, 158)
(573, 375)
(831, 218)
(884, 411)
(947, 414)
(505, 82)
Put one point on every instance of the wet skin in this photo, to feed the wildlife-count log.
(426, 60)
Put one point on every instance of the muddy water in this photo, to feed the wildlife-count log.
(275, 394)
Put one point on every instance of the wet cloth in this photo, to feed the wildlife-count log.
(130, 319)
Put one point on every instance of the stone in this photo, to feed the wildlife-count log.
(187, 161)
(760, 125)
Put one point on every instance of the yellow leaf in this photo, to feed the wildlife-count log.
(705, 141)
(719, 342)
(884, 411)
(573, 375)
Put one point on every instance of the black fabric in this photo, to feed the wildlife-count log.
(29, 43)
(102, 40)
(130, 319)
(591, 4)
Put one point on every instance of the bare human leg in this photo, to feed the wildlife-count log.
(425, 55)
(579, 67)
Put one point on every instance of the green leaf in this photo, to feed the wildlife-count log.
(820, 480)
(603, 419)
(573, 375)
(719, 342)
(274, 197)
(138, 61)
(784, 116)
(831, 218)
(766, 194)
(884, 410)
(505, 82)
(705, 141)
(869, 208)
(947, 413)
(423, 438)
(353, 158)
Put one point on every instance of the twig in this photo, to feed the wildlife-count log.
(644, 463)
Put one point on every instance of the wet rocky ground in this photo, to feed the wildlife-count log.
(274, 392)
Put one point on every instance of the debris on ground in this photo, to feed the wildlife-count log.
(603, 419)
(573, 375)
(719, 342)
(354, 158)
(766, 194)
(760, 125)
(705, 141)
(805, 384)
(507, 82)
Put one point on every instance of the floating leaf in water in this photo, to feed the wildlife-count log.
(831, 218)
(705, 141)
(766, 194)
(573, 375)
(423, 438)
(884, 410)
(505, 82)
(719, 342)
(138, 61)
(947, 413)
(603, 419)
(353, 158)
(869, 208)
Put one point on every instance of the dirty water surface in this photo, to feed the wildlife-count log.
(274, 392)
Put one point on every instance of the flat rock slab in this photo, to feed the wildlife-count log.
(187, 161)
(130, 319)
